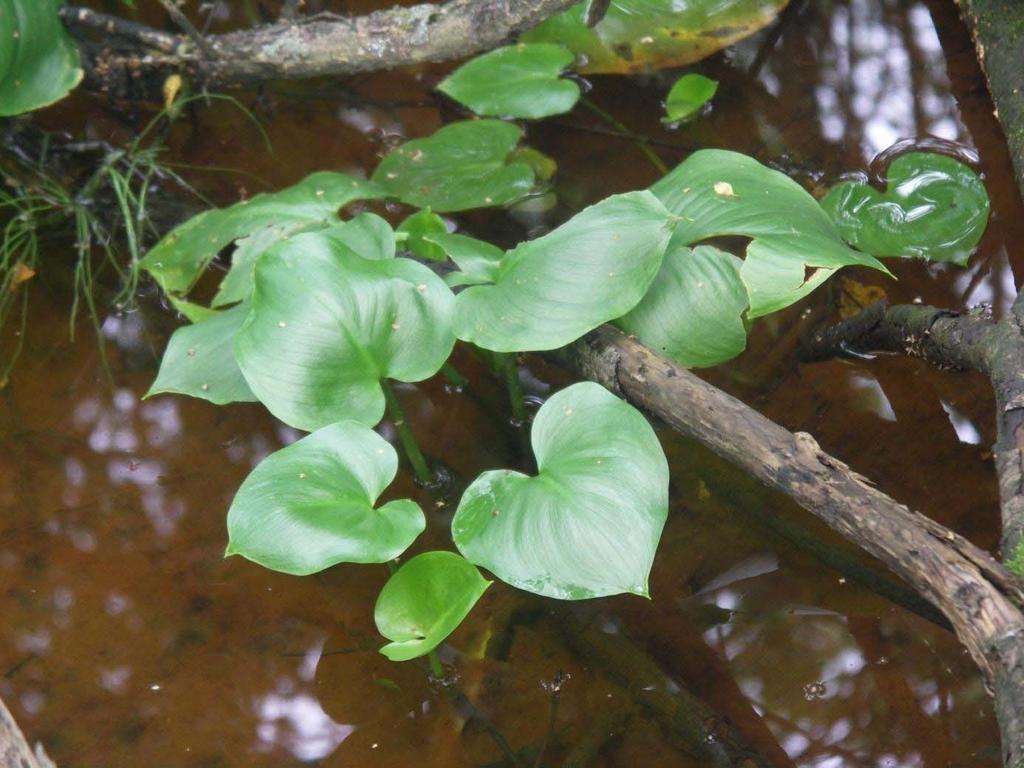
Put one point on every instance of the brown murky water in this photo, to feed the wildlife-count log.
(127, 640)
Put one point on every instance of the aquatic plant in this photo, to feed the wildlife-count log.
(317, 315)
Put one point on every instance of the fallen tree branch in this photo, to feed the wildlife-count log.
(953, 341)
(979, 596)
(304, 47)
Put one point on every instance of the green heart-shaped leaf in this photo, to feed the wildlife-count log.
(327, 325)
(199, 361)
(310, 505)
(550, 291)
(179, 258)
(934, 207)
(39, 61)
(693, 312)
(424, 601)
(461, 166)
(689, 94)
(588, 524)
(716, 193)
(515, 81)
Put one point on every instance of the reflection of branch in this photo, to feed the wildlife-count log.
(963, 342)
(712, 738)
(325, 44)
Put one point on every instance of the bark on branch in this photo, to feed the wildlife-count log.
(304, 47)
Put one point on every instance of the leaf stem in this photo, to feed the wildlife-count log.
(609, 118)
(510, 370)
(435, 664)
(405, 436)
(451, 373)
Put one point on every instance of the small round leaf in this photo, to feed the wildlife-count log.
(463, 165)
(521, 80)
(424, 601)
(689, 94)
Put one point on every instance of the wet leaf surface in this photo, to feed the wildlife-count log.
(934, 207)
(463, 165)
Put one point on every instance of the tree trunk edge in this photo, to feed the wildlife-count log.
(997, 27)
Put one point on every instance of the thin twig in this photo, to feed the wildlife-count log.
(188, 27)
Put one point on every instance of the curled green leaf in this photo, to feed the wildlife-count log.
(424, 601)
(934, 207)
(550, 291)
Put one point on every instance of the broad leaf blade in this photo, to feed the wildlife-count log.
(179, 258)
(424, 601)
(693, 312)
(39, 61)
(589, 523)
(200, 361)
(934, 207)
(716, 193)
(327, 325)
(550, 291)
(521, 80)
(461, 166)
(310, 505)
(640, 35)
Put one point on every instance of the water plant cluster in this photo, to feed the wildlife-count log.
(317, 315)
(321, 311)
